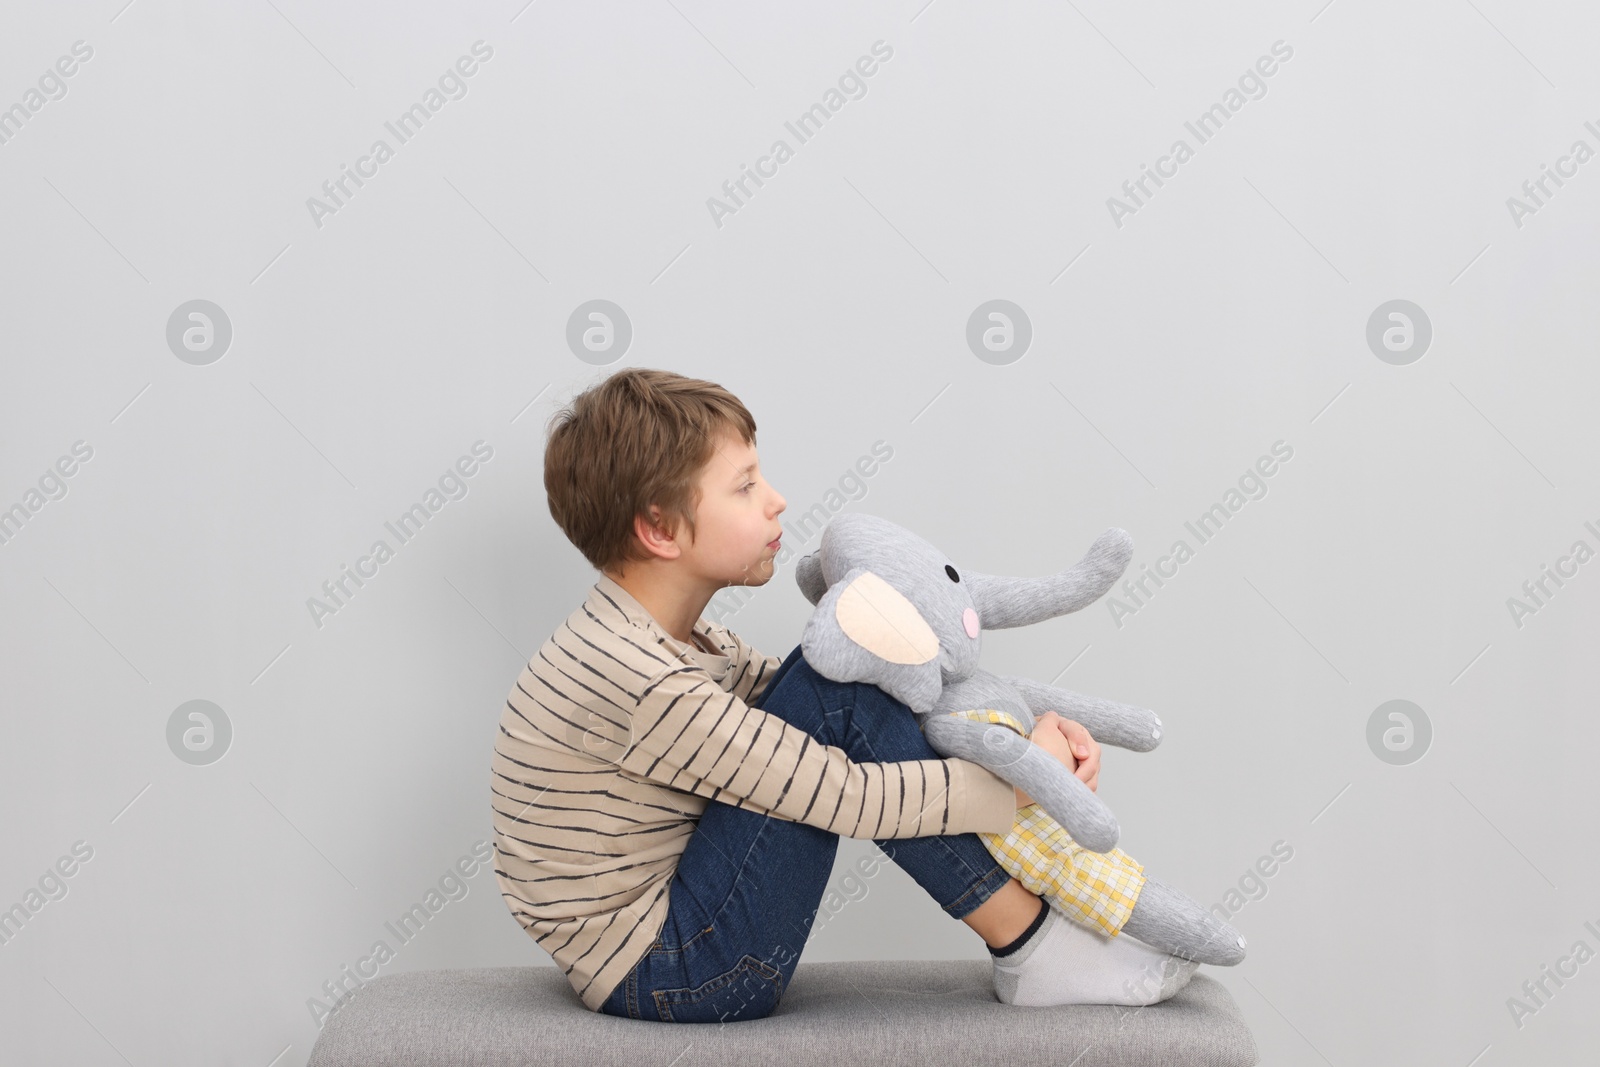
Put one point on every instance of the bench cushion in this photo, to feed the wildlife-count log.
(887, 1013)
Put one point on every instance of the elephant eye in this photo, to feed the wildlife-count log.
(951, 571)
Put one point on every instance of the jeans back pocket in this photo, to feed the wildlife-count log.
(749, 991)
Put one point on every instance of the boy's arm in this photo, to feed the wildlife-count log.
(689, 734)
(751, 671)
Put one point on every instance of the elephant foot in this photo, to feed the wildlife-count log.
(1174, 922)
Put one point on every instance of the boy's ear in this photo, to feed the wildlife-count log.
(864, 630)
(653, 529)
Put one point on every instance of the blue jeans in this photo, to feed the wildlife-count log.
(742, 901)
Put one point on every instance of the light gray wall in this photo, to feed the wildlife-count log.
(1172, 346)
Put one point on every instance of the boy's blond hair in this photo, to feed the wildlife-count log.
(639, 437)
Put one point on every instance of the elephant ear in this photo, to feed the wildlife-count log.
(865, 630)
(808, 575)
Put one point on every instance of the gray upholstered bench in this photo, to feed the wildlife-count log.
(921, 1012)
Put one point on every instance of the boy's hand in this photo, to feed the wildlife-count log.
(1070, 743)
(1084, 747)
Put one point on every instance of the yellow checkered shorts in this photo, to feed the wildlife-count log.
(1093, 888)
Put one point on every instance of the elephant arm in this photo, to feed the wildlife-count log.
(1011, 756)
(1110, 723)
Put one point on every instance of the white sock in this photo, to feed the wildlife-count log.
(1064, 962)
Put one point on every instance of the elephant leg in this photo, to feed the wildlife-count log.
(1172, 921)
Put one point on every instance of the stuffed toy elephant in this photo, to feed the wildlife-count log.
(895, 612)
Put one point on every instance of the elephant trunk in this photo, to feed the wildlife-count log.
(1004, 601)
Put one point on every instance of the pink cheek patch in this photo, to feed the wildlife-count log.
(969, 619)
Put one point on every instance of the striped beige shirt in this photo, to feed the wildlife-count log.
(613, 740)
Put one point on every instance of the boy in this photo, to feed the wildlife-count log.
(637, 714)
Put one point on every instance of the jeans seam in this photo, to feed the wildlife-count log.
(950, 909)
(744, 863)
(711, 926)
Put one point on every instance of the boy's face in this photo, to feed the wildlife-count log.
(736, 522)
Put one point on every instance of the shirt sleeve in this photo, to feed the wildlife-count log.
(751, 671)
(688, 733)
